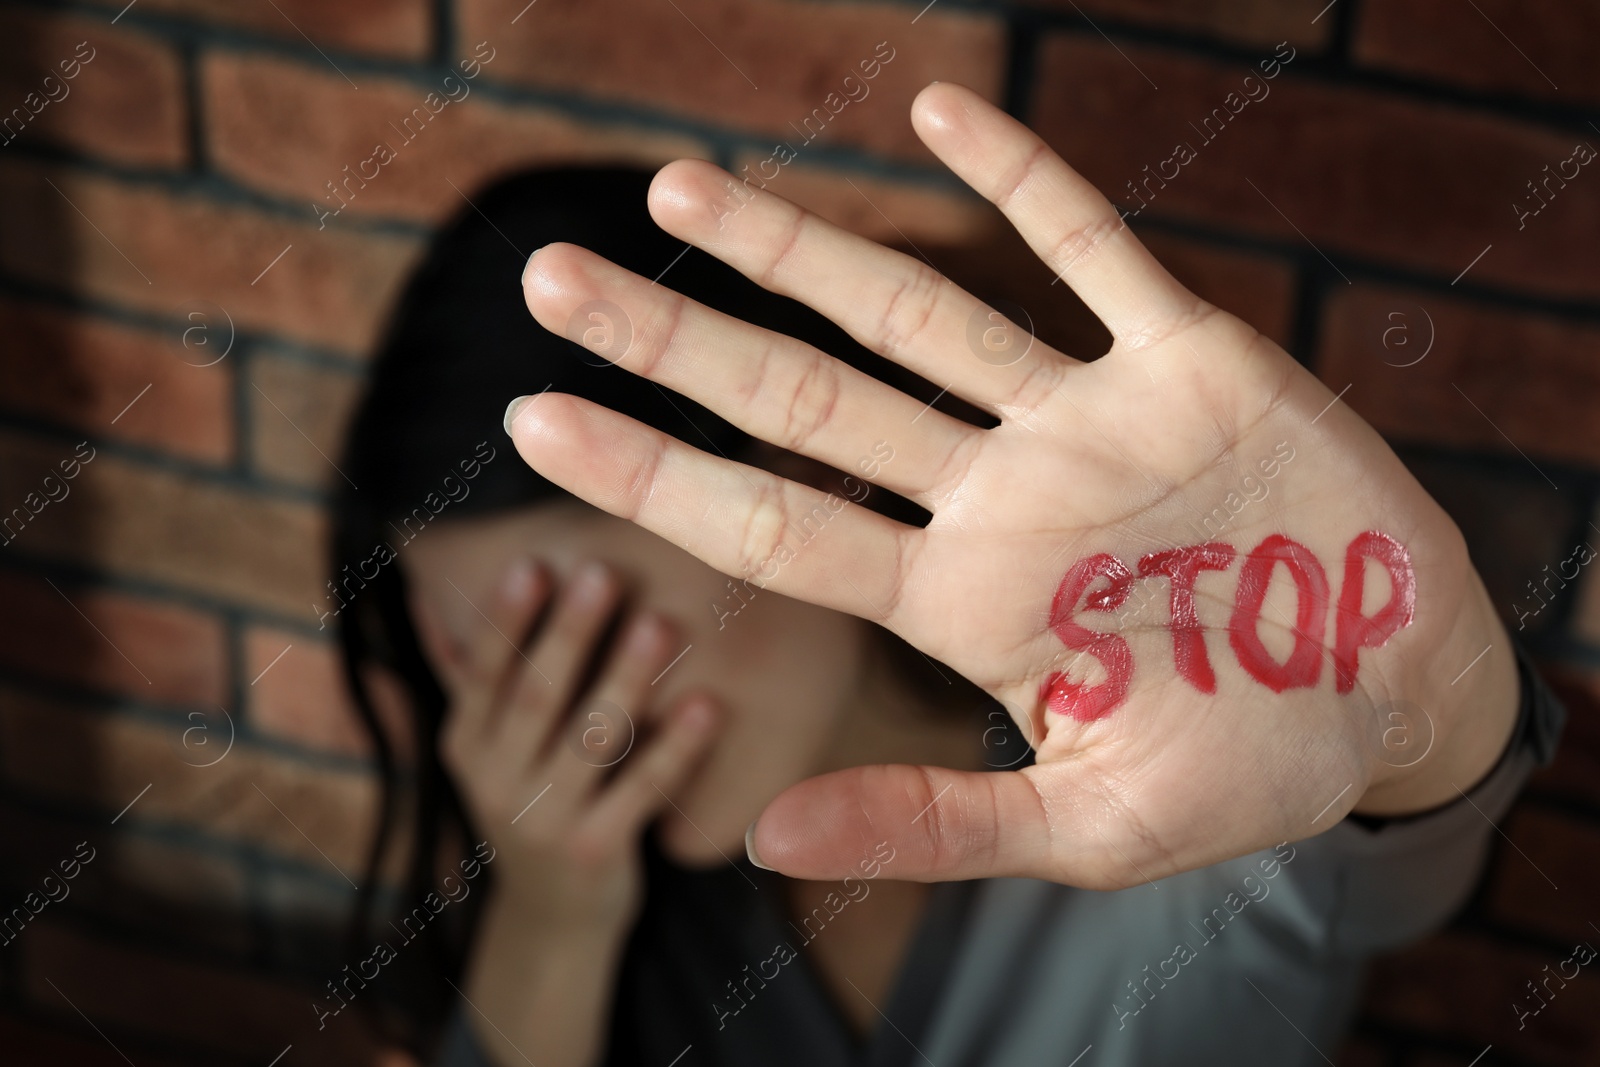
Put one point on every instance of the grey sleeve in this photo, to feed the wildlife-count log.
(1368, 885)
(460, 1046)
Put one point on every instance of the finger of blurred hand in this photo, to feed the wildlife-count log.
(477, 674)
(609, 717)
(444, 654)
(1066, 221)
(652, 774)
(895, 305)
(739, 519)
(772, 386)
(545, 683)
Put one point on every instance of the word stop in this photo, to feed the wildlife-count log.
(1182, 567)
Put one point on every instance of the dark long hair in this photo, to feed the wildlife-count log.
(459, 346)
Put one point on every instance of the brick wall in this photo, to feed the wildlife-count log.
(169, 299)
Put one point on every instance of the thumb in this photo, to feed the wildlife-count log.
(942, 825)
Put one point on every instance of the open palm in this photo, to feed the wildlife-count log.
(1198, 581)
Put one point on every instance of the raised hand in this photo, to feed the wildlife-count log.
(1200, 582)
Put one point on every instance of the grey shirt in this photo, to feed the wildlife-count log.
(1254, 960)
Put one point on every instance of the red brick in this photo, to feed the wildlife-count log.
(1555, 849)
(1462, 986)
(185, 895)
(119, 644)
(1257, 288)
(1530, 375)
(1532, 48)
(1263, 22)
(126, 103)
(321, 818)
(302, 697)
(310, 705)
(796, 53)
(255, 106)
(134, 881)
(330, 288)
(84, 373)
(298, 414)
(123, 989)
(1419, 185)
(164, 527)
(883, 210)
(385, 27)
(1575, 773)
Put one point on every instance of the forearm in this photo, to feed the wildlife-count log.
(540, 991)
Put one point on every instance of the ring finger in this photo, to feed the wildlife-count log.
(900, 307)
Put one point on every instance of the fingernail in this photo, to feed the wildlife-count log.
(590, 583)
(526, 266)
(518, 581)
(750, 848)
(511, 412)
(642, 635)
(697, 718)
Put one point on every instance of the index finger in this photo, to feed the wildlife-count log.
(1064, 218)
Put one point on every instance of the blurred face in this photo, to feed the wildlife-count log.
(782, 672)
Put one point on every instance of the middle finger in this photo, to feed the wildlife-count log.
(774, 387)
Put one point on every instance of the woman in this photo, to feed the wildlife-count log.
(597, 717)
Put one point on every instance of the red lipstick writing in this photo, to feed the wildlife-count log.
(1079, 593)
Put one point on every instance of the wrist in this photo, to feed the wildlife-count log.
(1470, 693)
(519, 958)
(528, 915)
(546, 983)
